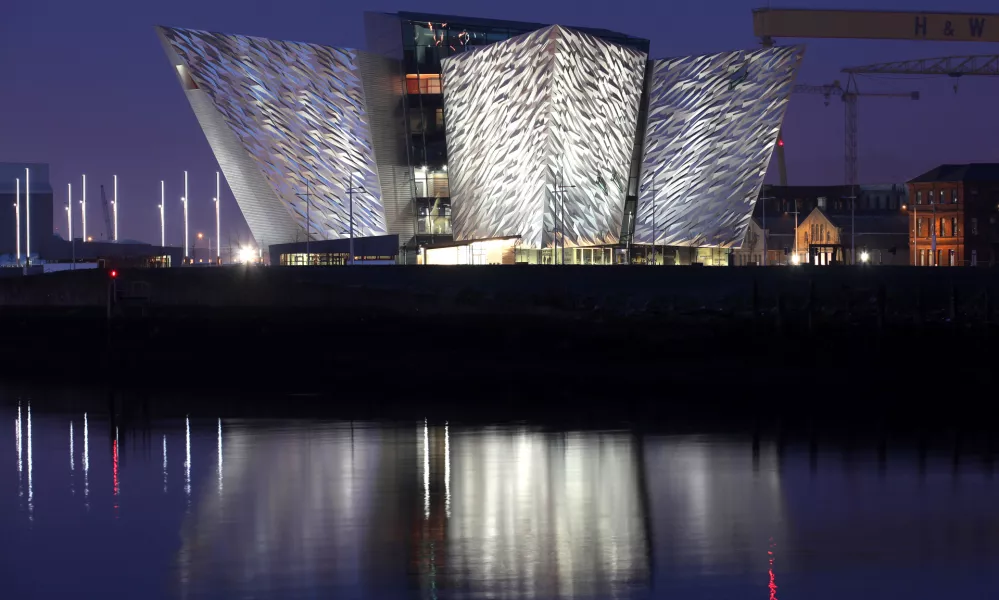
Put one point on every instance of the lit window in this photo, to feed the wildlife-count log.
(953, 226)
(953, 196)
(919, 197)
(423, 84)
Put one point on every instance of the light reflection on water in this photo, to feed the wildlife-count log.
(428, 510)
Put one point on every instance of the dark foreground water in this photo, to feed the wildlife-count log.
(228, 508)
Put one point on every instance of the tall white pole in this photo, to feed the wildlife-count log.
(114, 204)
(17, 215)
(83, 209)
(27, 211)
(69, 222)
(185, 215)
(218, 226)
(162, 220)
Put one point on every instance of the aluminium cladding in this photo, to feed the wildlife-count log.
(541, 131)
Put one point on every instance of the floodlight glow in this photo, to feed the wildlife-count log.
(864, 257)
(795, 259)
(247, 255)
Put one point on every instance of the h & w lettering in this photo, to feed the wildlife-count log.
(920, 29)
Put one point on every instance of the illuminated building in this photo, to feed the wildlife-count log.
(462, 130)
(953, 212)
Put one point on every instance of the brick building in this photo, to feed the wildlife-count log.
(953, 214)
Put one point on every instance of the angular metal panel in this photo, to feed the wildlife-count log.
(551, 111)
(712, 125)
(299, 111)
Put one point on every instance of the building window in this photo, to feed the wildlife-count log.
(425, 83)
(919, 228)
(943, 229)
(952, 256)
(974, 226)
(822, 202)
(953, 196)
(953, 226)
(930, 195)
(919, 197)
(439, 117)
(974, 258)
(938, 257)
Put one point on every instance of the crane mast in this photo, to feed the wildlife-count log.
(108, 227)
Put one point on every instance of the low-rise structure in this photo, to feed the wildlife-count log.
(953, 215)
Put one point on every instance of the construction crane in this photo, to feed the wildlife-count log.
(107, 214)
(976, 65)
(849, 95)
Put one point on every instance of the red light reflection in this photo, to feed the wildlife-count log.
(115, 447)
(772, 585)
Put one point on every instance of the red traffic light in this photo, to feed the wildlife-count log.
(780, 142)
(113, 273)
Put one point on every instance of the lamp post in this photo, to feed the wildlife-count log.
(162, 220)
(114, 206)
(201, 236)
(185, 216)
(69, 222)
(218, 222)
(83, 208)
(27, 214)
(17, 219)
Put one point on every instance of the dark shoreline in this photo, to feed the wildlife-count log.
(584, 366)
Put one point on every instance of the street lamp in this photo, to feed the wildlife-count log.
(185, 215)
(162, 220)
(218, 226)
(83, 208)
(27, 213)
(201, 236)
(114, 206)
(69, 222)
(17, 219)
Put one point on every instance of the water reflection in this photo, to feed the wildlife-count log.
(329, 509)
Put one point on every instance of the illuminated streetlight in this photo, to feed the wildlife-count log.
(69, 221)
(162, 220)
(114, 206)
(864, 256)
(83, 209)
(27, 213)
(218, 227)
(185, 216)
(17, 215)
(795, 259)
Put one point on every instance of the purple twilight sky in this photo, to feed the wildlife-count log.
(87, 88)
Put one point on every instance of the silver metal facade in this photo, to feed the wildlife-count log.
(712, 124)
(540, 131)
(298, 110)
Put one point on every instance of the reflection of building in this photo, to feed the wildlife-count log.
(953, 215)
(322, 502)
(546, 515)
(713, 509)
(317, 141)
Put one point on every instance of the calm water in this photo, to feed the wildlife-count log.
(209, 508)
